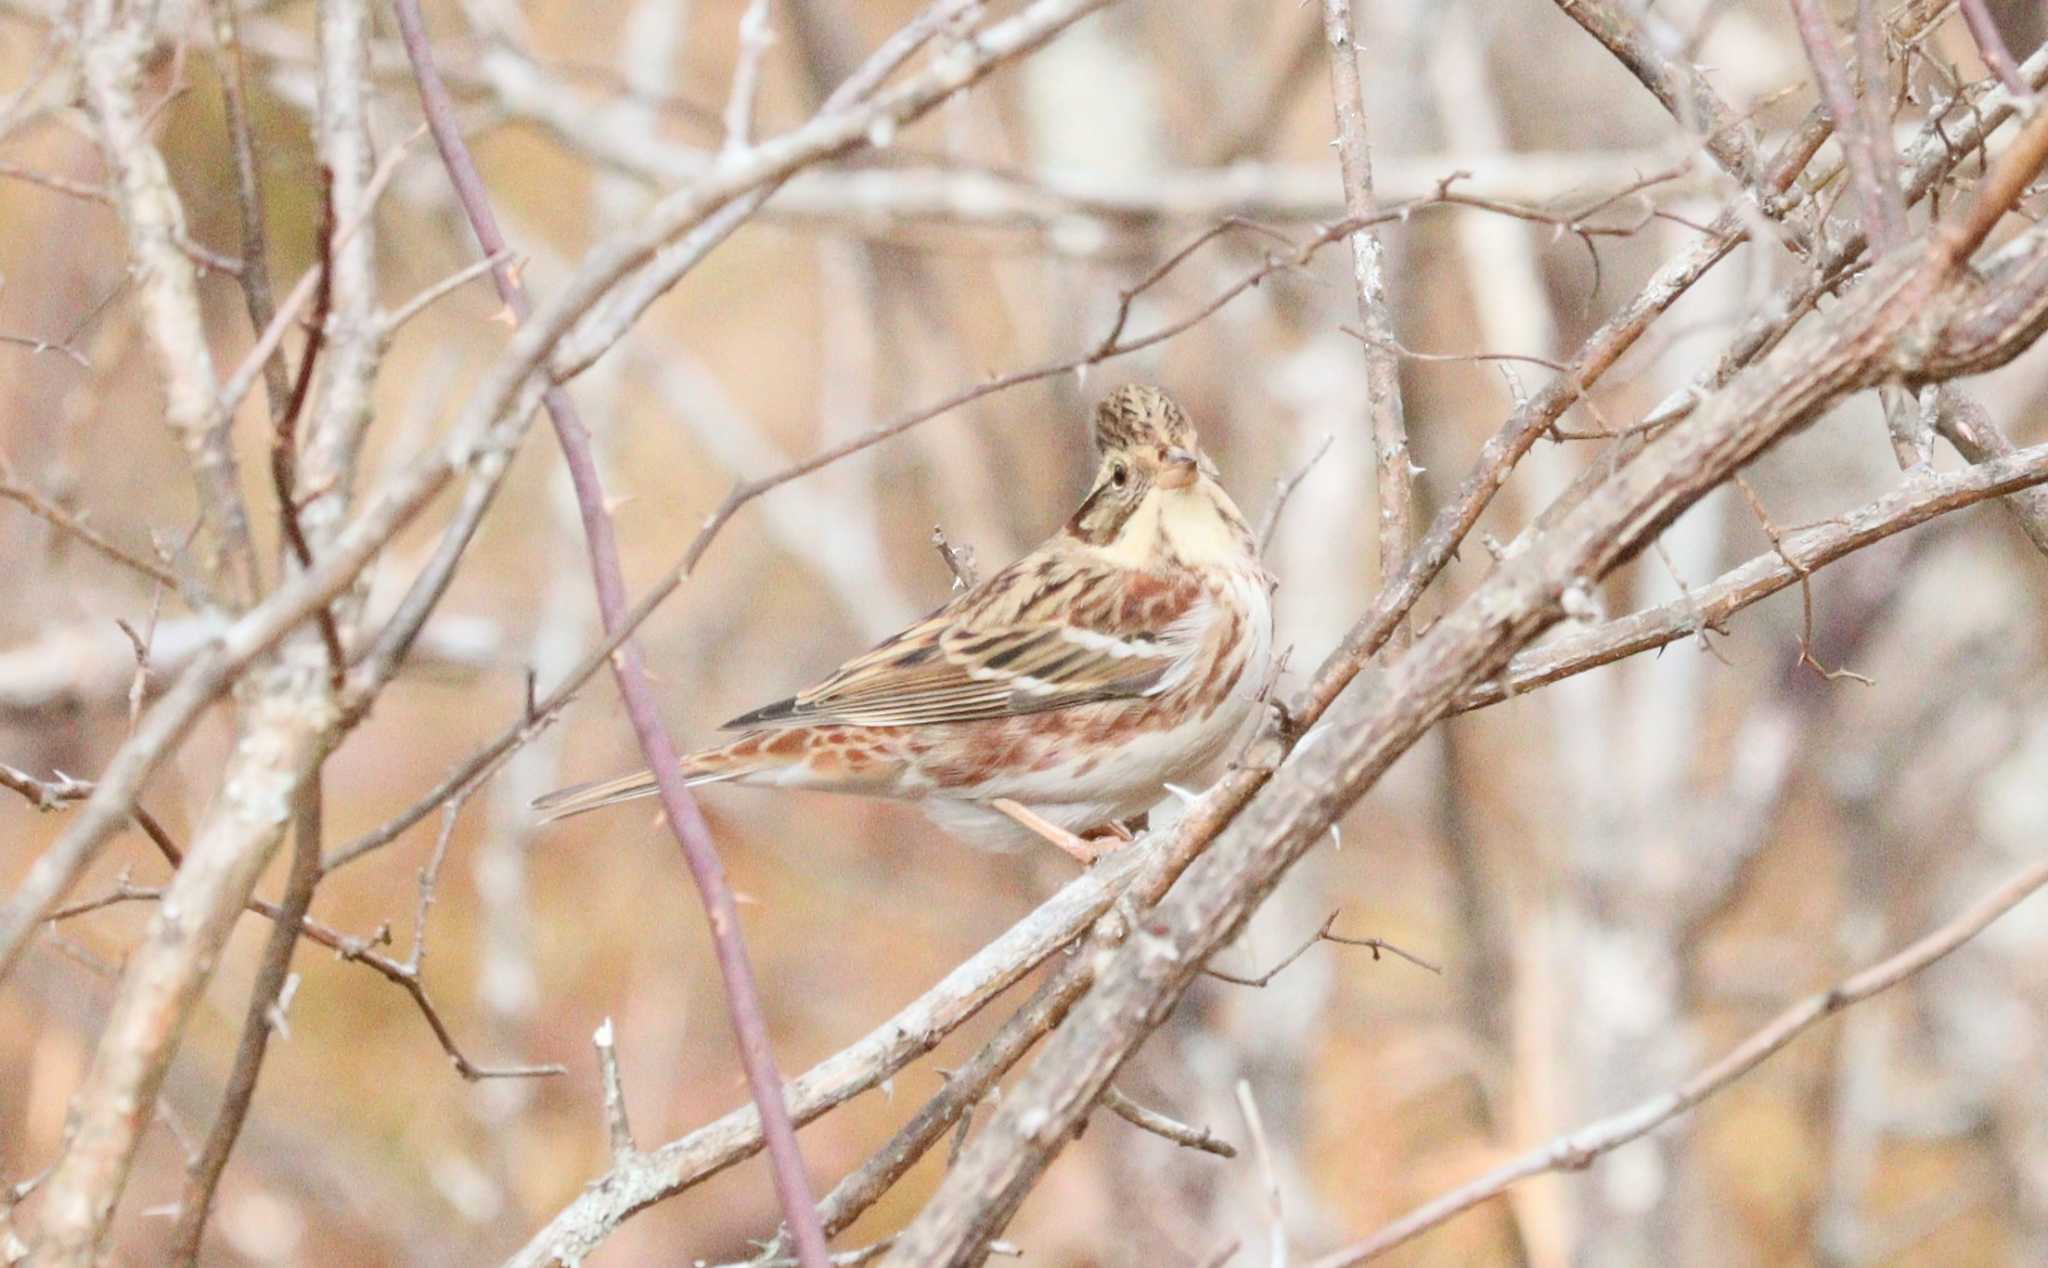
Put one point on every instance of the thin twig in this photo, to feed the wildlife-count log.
(1158, 1124)
(255, 272)
(1579, 1149)
(618, 1129)
(348, 947)
(36, 345)
(42, 508)
(448, 285)
(284, 439)
(203, 1172)
(1777, 540)
(1323, 934)
(1283, 490)
(69, 188)
(1276, 1203)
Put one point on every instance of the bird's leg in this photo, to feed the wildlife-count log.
(1084, 851)
(1120, 831)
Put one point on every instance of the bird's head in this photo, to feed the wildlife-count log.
(1149, 455)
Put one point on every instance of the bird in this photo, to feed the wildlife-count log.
(1056, 699)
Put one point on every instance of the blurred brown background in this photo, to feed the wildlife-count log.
(1622, 874)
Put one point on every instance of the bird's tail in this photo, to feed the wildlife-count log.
(706, 767)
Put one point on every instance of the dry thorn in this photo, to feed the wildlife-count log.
(397, 318)
(45, 795)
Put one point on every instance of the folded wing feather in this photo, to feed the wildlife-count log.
(949, 669)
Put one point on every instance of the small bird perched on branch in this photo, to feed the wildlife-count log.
(1056, 698)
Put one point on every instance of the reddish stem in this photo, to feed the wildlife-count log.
(742, 997)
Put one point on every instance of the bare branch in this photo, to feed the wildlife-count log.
(915, 1030)
(1283, 489)
(1804, 551)
(1967, 426)
(255, 272)
(1677, 85)
(1394, 490)
(44, 794)
(44, 509)
(1579, 1149)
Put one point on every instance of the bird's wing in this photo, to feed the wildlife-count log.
(1084, 633)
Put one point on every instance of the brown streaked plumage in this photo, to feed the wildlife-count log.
(1058, 695)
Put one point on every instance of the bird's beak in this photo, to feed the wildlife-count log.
(1181, 469)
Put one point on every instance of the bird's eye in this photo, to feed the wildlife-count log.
(1119, 476)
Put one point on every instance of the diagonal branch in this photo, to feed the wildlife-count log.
(1579, 1149)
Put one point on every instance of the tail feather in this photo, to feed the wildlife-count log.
(578, 798)
(707, 767)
